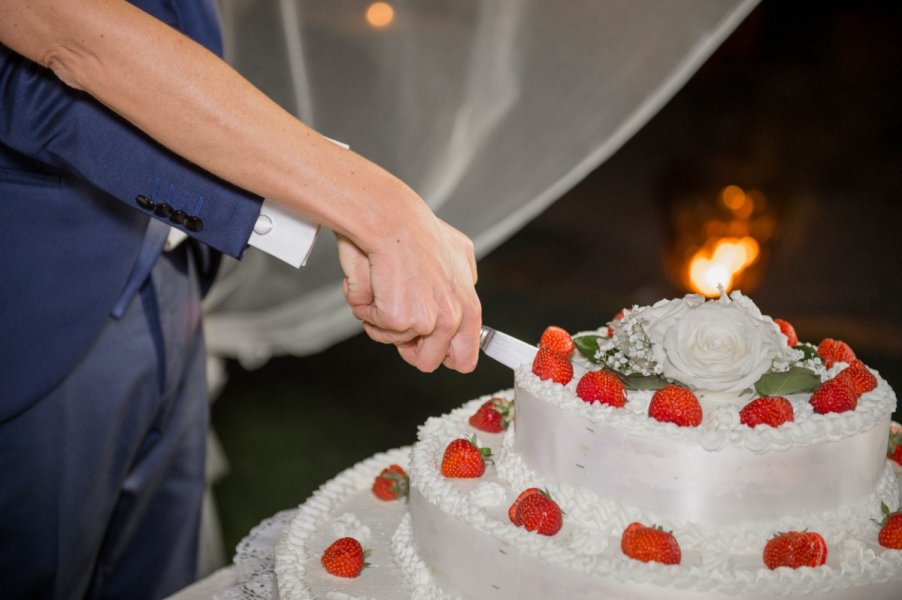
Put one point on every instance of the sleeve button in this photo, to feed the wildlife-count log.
(144, 202)
(162, 210)
(194, 224)
(178, 217)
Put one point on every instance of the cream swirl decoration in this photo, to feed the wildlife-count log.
(722, 345)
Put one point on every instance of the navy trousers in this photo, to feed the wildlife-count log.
(101, 481)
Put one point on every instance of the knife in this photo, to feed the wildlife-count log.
(510, 351)
(506, 349)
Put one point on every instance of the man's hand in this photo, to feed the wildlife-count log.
(419, 295)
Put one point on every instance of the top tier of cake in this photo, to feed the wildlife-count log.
(721, 472)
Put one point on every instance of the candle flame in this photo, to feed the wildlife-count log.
(721, 264)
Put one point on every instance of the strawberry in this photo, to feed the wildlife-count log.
(769, 410)
(558, 340)
(650, 544)
(834, 351)
(896, 455)
(789, 331)
(601, 386)
(795, 549)
(858, 376)
(617, 317)
(392, 483)
(674, 404)
(834, 395)
(493, 416)
(536, 511)
(894, 447)
(550, 364)
(345, 557)
(890, 535)
(463, 459)
(512, 511)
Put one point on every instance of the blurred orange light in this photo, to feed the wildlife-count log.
(380, 14)
(738, 201)
(710, 268)
(732, 197)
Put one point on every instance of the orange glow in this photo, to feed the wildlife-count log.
(738, 201)
(733, 197)
(380, 14)
(719, 265)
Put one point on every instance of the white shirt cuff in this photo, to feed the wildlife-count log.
(278, 231)
(284, 234)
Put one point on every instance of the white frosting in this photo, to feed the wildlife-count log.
(488, 494)
(413, 569)
(348, 525)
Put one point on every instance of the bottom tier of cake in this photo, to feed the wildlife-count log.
(453, 539)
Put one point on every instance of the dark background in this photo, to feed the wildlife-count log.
(801, 103)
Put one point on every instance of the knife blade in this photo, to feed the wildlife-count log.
(511, 352)
(506, 349)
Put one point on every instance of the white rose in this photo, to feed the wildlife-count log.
(658, 317)
(653, 321)
(716, 346)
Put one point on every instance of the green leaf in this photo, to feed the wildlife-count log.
(643, 382)
(809, 350)
(588, 346)
(895, 440)
(638, 381)
(793, 381)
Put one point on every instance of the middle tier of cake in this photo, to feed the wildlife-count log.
(607, 475)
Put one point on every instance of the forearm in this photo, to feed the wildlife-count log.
(196, 105)
(417, 290)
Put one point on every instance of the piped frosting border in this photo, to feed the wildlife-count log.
(721, 427)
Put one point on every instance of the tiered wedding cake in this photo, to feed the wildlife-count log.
(673, 477)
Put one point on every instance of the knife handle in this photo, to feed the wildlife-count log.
(485, 336)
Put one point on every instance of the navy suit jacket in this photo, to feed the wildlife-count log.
(74, 184)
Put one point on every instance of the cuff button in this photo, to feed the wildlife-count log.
(263, 225)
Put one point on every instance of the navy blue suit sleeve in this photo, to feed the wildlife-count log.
(46, 120)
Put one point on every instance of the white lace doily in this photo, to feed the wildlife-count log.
(255, 559)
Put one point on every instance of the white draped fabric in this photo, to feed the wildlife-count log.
(489, 109)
